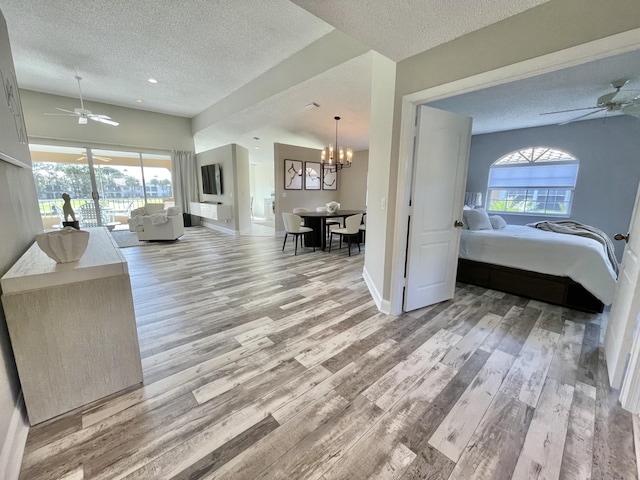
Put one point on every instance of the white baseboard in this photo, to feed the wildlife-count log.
(14, 443)
(219, 228)
(383, 305)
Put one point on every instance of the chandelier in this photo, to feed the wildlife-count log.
(333, 157)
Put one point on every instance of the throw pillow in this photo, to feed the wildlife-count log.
(476, 219)
(171, 211)
(497, 222)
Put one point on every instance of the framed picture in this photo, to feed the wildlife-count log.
(329, 179)
(312, 175)
(292, 174)
(14, 147)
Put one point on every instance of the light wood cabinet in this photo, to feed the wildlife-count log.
(72, 327)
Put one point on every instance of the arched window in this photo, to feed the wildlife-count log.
(533, 181)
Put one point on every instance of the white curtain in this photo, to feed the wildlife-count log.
(185, 180)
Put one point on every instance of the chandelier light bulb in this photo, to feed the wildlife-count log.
(336, 161)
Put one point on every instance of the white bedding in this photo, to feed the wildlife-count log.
(581, 259)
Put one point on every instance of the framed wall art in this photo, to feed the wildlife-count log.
(312, 175)
(329, 179)
(14, 146)
(292, 174)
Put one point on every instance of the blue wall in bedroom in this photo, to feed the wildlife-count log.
(609, 154)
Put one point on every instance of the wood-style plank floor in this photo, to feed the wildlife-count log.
(260, 365)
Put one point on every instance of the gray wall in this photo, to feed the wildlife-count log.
(352, 180)
(609, 154)
(20, 222)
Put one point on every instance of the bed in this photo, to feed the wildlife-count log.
(566, 270)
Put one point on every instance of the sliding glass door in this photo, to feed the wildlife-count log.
(105, 185)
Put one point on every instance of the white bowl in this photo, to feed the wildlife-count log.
(65, 245)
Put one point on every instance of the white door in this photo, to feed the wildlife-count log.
(624, 312)
(440, 162)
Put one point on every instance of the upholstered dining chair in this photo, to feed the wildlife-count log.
(300, 210)
(363, 228)
(329, 222)
(292, 226)
(351, 230)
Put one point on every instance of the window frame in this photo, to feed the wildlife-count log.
(531, 157)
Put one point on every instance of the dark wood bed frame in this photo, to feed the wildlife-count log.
(538, 286)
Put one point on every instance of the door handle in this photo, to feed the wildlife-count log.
(458, 224)
(619, 236)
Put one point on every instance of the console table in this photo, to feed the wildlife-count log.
(72, 327)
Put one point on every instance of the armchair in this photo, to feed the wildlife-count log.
(153, 223)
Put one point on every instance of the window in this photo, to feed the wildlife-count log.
(533, 181)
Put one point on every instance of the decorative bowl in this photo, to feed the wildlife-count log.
(65, 245)
(333, 207)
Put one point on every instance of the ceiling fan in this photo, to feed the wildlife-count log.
(84, 114)
(609, 102)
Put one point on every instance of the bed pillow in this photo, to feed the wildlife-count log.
(476, 219)
(497, 222)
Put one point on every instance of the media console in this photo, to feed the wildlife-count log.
(211, 211)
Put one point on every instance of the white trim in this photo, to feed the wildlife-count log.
(587, 52)
(14, 442)
(218, 228)
(377, 298)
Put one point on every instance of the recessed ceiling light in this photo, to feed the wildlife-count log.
(256, 138)
(152, 80)
(257, 148)
(138, 101)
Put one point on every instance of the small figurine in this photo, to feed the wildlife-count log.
(66, 208)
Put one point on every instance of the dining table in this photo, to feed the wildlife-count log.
(317, 221)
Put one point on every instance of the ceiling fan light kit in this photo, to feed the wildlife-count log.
(83, 115)
(607, 102)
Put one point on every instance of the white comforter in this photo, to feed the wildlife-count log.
(581, 259)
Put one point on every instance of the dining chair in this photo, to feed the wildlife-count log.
(292, 226)
(329, 222)
(301, 210)
(363, 228)
(352, 229)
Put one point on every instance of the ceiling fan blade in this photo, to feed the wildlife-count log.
(66, 111)
(62, 114)
(570, 110)
(107, 120)
(582, 116)
(632, 109)
(82, 120)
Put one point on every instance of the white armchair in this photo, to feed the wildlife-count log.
(157, 224)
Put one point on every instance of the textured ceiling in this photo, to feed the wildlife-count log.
(519, 104)
(203, 50)
(198, 50)
(400, 29)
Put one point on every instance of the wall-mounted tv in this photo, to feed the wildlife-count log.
(212, 179)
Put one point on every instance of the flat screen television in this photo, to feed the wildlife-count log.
(212, 179)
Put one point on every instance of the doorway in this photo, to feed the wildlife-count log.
(411, 102)
(261, 186)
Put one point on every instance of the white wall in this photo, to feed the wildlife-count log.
(234, 165)
(137, 128)
(261, 187)
(379, 164)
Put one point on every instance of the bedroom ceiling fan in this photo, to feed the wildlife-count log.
(609, 102)
(83, 114)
